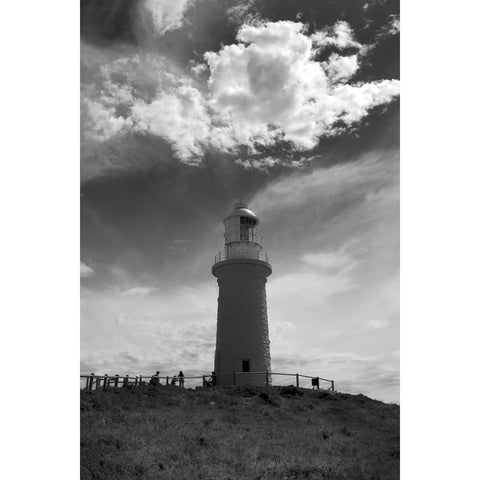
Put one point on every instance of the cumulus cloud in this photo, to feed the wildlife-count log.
(101, 122)
(85, 270)
(268, 87)
(167, 14)
(179, 116)
(394, 26)
(339, 67)
(265, 88)
(340, 36)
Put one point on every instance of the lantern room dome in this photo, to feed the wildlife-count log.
(240, 209)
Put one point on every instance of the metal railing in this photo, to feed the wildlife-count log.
(269, 379)
(222, 256)
(244, 235)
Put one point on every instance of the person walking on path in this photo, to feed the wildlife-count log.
(181, 381)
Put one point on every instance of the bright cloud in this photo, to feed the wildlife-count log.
(343, 222)
(85, 270)
(339, 67)
(268, 87)
(167, 331)
(374, 323)
(268, 162)
(340, 36)
(265, 88)
(180, 117)
(167, 14)
(138, 291)
(329, 261)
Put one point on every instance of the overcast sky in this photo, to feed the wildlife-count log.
(292, 105)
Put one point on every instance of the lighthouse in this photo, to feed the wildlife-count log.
(242, 355)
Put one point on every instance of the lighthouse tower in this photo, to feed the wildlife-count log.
(242, 269)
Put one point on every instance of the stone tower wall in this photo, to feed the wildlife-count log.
(242, 321)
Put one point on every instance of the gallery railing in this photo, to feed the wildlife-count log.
(270, 379)
(221, 256)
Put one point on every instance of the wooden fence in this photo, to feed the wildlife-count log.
(270, 379)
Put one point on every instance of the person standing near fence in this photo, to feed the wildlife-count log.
(181, 379)
(155, 380)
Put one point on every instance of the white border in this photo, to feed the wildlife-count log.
(40, 240)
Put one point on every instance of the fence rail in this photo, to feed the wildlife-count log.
(270, 379)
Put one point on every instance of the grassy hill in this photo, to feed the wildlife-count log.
(237, 433)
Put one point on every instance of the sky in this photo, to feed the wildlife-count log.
(187, 106)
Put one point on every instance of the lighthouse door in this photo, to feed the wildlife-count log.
(245, 365)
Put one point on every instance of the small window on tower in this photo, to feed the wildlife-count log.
(245, 365)
(243, 228)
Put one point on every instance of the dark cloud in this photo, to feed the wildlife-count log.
(105, 22)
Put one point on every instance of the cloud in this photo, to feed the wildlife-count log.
(264, 89)
(268, 87)
(340, 36)
(167, 15)
(391, 28)
(339, 67)
(330, 261)
(266, 163)
(138, 291)
(330, 188)
(394, 26)
(171, 330)
(376, 324)
(332, 236)
(85, 270)
(242, 13)
(101, 122)
(179, 116)
(373, 375)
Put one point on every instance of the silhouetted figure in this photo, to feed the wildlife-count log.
(315, 383)
(181, 381)
(174, 380)
(155, 380)
(213, 380)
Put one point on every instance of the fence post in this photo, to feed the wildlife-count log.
(298, 380)
(333, 386)
(204, 381)
(140, 380)
(105, 382)
(117, 376)
(125, 380)
(234, 378)
(136, 380)
(266, 375)
(90, 387)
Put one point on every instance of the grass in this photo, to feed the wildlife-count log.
(237, 433)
